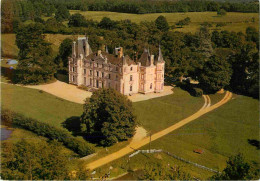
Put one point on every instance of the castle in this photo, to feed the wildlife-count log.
(101, 69)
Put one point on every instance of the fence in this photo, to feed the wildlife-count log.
(174, 156)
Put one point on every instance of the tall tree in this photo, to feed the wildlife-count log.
(108, 115)
(162, 23)
(35, 56)
(205, 47)
(62, 13)
(215, 75)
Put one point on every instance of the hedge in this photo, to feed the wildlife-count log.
(77, 144)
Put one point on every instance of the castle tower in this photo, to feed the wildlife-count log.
(160, 65)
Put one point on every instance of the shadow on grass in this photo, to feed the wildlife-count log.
(254, 143)
(72, 124)
(8, 74)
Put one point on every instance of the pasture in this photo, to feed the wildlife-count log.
(234, 21)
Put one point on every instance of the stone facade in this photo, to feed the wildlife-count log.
(101, 69)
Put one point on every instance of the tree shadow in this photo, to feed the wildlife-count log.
(254, 143)
(8, 73)
(73, 125)
(62, 76)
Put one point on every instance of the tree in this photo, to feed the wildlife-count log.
(107, 23)
(237, 169)
(215, 75)
(205, 45)
(108, 115)
(35, 54)
(34, 161)
(62, 13)
(65, 50)
(245, 65)
(162, 23)
(252, 35)
(183, 22)
(221, 12)
(77, 20)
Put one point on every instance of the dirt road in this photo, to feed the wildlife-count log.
(138, 144)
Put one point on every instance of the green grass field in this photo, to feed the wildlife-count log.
(159, 113)
(220, 134)
(39, 105)
(9, 48)
(235, 21)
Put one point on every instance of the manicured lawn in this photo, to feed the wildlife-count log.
(235, 21)
(159, 113)
(39, 105)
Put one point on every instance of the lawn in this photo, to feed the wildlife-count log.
(235, 21)
(39, 105)
(159, 113)
(220, 134)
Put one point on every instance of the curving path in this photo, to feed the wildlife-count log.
(138, 144)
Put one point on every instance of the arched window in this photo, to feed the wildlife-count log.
(151, 86)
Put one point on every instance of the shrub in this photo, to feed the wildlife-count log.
(76, 144)
(197, 92)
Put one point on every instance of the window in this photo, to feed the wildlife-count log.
(90, 72)
(116, 77)
(151, 86)
(97, 73)
(131, 87)
(117, 69)
(109, 84)
(97, 83)
(131, 78)
(85, 80)
(131, 68)
(85, 71)
(109, 76)
(73, 69)
(90, 82)
(103, 75)
(97, 65)
(102, 84)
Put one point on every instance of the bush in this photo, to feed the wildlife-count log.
(77, 144)
(196, 92)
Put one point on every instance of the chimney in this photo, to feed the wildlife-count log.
(74, 49)
(124, 60)
(86, 47)
(120, 52)
(99, 53)
(151, 60)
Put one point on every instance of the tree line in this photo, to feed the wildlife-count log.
(17, 10)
